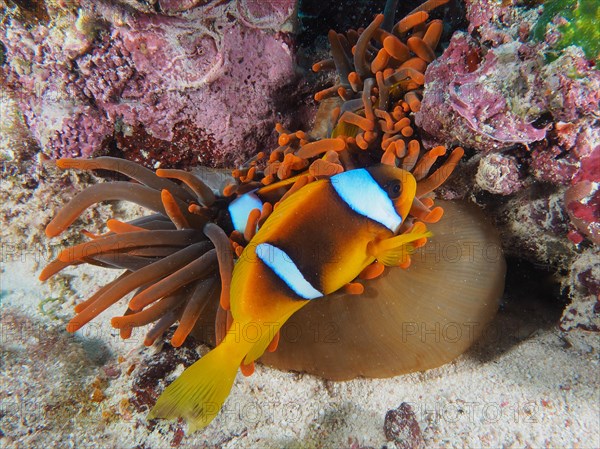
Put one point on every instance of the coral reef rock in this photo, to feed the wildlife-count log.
(88, 77)
(401, 427)
(529, 117)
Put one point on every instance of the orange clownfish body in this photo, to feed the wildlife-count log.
(316, 241)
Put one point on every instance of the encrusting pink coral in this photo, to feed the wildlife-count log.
(103, 71)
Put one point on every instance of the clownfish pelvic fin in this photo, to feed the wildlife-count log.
(396, 250)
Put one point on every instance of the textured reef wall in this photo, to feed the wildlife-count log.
(184, 83)
(190, 83)
(528, 111)
(202, 83)
(181, 83)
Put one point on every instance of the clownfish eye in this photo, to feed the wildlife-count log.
(393, 189)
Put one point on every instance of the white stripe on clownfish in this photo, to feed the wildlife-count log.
(364, 195)
(285, 268)
(240, 208)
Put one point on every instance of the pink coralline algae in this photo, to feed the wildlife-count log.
(490, 91)
(469, 104)
(532, 127)
(105, 71)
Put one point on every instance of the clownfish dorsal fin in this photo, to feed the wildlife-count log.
(395, 250)
(285, 210)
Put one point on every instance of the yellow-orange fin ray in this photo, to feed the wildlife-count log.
(393, 251)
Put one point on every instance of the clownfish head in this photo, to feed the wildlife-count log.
(381, 192)
(399, 185)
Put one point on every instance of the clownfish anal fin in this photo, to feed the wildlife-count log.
(396, 251)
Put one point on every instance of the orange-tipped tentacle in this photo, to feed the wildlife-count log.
(54, 267)
(360, 53)
(357, 120)
(427, 201)
(85, 304)
(196, 269)
(274, 343)
(116, 242)
(300, 182)
(247, 370)
(420, 48)
(265, 213)
(412, 155)
(368, 104)
(429, 5)
(405, 262)
(438, 177)
(126, 332)
(173, 211)
(413, 101)
(149, 315)
(322, 168)
(380, 61)
(326, 64)
(427, 161)
(225, 259)
(405, 74)
(354, 288)
(204, 194)
(192, 311)
(396, 48)
(433, 33)
(230, 189)
(422, 212)
(317, 147)
(415, 63)
(118, 190)
(389, 155)
(410, 21)
(165, 322)
(131, 169)
(251, 224)
(355, 81)
(130, 281)
(372, 271)
(120, 227)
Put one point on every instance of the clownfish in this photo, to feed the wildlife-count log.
(315, 242)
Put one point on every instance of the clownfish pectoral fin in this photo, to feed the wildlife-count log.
(199, 393)
(396, 251)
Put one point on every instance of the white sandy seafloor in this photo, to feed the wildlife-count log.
(523, 386)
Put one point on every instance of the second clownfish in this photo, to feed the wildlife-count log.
(315, 242)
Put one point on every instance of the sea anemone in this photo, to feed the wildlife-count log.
(169, 257)
(173, 259)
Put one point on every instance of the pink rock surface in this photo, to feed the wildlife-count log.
(474, 99)
(216, 66)
(491, 98)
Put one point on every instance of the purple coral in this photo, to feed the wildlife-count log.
(532, 127)
(491, 98)
(480, 102)
(214, 66)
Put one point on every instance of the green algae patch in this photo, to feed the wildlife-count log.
(579, 27)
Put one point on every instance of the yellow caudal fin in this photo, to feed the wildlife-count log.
(199, 393)
(395, 250)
